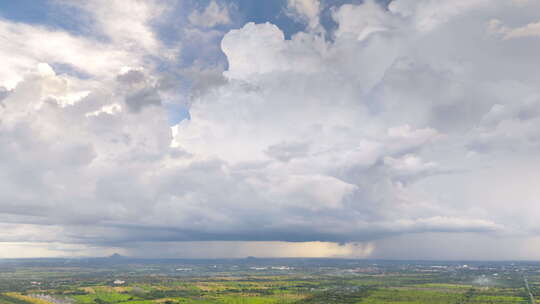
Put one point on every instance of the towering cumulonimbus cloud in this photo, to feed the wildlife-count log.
(415, 118)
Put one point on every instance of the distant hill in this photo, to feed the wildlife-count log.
(116, 256)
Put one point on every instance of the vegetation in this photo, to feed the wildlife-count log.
(262, 282)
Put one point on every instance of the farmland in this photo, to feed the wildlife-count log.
(263, 281)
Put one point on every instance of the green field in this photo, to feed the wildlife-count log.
(315, 283)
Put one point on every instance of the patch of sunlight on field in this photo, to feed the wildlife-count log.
(395, 296)
(25, 298)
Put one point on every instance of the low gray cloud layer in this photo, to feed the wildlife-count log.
(420, 117)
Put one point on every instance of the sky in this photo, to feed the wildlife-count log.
(403, 129)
